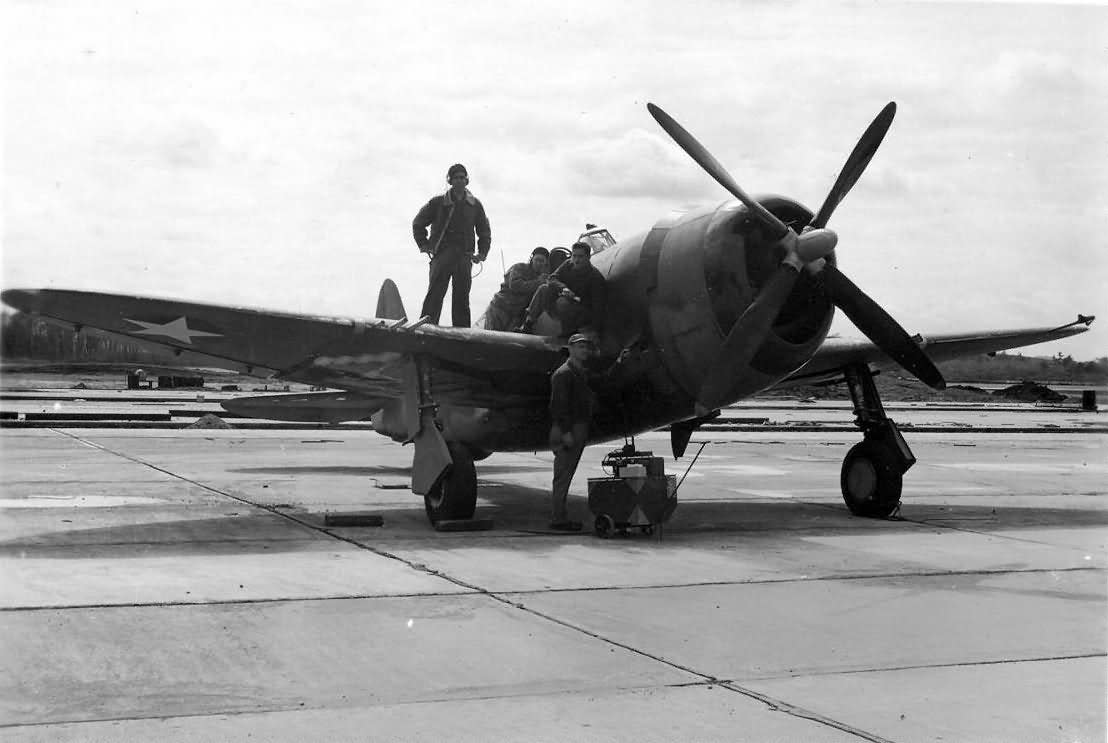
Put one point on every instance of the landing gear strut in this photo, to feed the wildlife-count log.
(442, 471)
(873, 469)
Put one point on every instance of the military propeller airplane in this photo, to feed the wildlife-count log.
(713, 305)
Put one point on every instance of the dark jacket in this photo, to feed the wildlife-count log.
(453, 225)
(588, 284)
(519, 286)
(571, 398)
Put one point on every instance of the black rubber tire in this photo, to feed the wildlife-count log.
(455, 494)
(604, 526)
(871, 480)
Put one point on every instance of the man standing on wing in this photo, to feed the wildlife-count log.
(454, 219)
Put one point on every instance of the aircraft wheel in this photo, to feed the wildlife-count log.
(455, 494)
(604, 526)
(871, 480)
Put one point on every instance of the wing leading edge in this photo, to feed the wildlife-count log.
(371, 357)
(837, 353)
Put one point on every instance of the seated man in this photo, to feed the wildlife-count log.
(506, 309)
(575, 295)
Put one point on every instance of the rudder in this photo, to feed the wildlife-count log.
(389, 304)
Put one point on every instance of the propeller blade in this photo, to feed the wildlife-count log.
(706, 160)
(856, 164)
(751, 329)
(880, 327)
(746, 337)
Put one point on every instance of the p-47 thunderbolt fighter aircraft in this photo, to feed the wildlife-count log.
(705, 308)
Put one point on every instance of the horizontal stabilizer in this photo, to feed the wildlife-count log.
(311, 407)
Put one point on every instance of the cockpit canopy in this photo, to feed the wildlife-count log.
(597, 238)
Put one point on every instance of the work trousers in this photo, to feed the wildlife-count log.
(572, 315)
(449, 265)
(566, 459)
(502, 317)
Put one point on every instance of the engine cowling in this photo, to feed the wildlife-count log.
(692, 276)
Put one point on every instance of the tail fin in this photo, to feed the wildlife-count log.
(389, 304)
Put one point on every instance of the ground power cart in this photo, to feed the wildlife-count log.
(638, 495)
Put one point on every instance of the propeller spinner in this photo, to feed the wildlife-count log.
(805, 250)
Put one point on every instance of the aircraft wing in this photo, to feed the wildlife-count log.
(835, 353)
(371, 357)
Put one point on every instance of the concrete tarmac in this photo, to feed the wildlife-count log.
(181, 585)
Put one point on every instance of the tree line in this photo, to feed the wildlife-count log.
(24, 337)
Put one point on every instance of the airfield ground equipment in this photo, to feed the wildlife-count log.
(637, 495)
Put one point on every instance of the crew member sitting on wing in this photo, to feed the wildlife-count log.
(506, 309)
(575, 294)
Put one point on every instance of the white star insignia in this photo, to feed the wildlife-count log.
(178, 330)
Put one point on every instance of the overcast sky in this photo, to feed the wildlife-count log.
(272, 154)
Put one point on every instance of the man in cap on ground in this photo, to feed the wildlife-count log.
(571, 404)
(506, 309)
(454, 218)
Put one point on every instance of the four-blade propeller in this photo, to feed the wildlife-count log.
(806, 250)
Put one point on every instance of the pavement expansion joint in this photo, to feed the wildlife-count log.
(926, 666)
(806, 579)
(243, 602)
(780, 705)
(279, 511)
(944, 524)
(400, 703)
(708, 679)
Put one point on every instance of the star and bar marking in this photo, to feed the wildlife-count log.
(178, 330)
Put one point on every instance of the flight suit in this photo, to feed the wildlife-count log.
(590, 307)
(453, 224)
(506, 309)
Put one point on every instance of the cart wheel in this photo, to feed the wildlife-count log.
(604, 526)
(648, 529)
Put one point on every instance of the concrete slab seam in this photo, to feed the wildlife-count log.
(709, 680)
(401, 703)
(277, 510)
(806, 714)
(967, 530)
(235, 602)
(928, 666)
(925, 524)
(816, 579)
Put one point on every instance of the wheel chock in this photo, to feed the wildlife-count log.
(354, 518)
(463, 525)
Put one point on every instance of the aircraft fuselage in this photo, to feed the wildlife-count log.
(673, 293)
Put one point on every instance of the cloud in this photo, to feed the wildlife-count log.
(167, 149)
(636, 164)
(190, 144)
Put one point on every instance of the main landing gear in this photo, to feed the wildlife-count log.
(442, 471)
(454, 496)
(873, 469)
